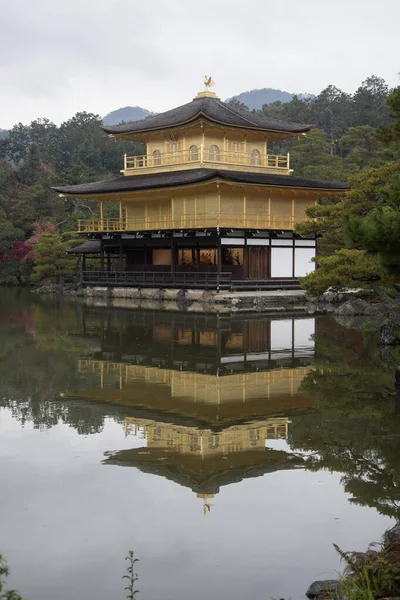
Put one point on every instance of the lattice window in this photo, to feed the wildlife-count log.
(156, 158)
(255, 157)
(193, 152)
(213, 153)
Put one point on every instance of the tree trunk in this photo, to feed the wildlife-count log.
(381, 293)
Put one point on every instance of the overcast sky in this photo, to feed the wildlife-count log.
(58, 57)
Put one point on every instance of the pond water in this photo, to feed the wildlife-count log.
(229, 453)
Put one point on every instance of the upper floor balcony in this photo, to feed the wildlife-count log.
(210, 157)
(187, 221)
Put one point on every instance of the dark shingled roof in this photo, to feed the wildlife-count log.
(212, 109)
(89, 247)
(180, 178)
(205, 475)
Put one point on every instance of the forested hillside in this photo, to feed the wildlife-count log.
(34, 157)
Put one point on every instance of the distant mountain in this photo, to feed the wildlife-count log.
(257, 98)
(252, 99)
(3, 133)
(127, 114)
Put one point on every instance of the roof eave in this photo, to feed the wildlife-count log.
(201, 115)
(207, 178)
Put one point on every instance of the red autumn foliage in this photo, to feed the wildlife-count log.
(19, 251)
(39, 228)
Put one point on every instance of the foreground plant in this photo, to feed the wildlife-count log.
(4, 573)
(131, 576)
(372, 574)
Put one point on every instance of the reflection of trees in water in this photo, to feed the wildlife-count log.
(358, 432)
(38, 361)
(367, 455)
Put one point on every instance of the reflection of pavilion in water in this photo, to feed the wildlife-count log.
(213, 399)
(205, 459)
(204, 343)
(204, 399)
(216, 370)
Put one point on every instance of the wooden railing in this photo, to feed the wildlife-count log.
(182, 280)
(198, 221)
(205, 156)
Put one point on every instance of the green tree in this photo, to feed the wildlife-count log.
(332, 111)
(391, 133)
(52, 263)
(312, 156)
(362, 147)
(370, 106)
(367, 220)
(344, 269)
(8, 233)
(377, 231)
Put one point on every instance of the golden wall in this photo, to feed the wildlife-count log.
(226, 140)
(219, 205)
(198, 387)
(205, 442)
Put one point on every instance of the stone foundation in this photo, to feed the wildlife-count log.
(195, 300)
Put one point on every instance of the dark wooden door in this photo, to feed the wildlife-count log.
(258, 336)
(258, 263)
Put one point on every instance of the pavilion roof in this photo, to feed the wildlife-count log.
(211, 109)
(89, 247)
(205, 475)
(192, 176)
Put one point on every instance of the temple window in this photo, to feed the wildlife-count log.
(162, 256)
(254, 435)
(185, 337)
(235, 341)
(187, 256)
(232, 256)
(213, 441)
(208, 338)
(208, 256)
(194, 443)
(195, 256)
(213, 153)
(156, 158)
(255, 157)
(193, 152)
(162, 334)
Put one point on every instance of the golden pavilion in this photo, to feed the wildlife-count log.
(206, 206)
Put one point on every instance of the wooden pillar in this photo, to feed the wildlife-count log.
(268, 249)
(293, 258)
(121, 214)
(102, 375)
(246, 259)
(121, 257)
(173, 257)
(108, 262)
(101, 216)
(292, 218)
(101, 257)
(219, 261)
(83, 262)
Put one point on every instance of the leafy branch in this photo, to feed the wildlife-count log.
(131, 576)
